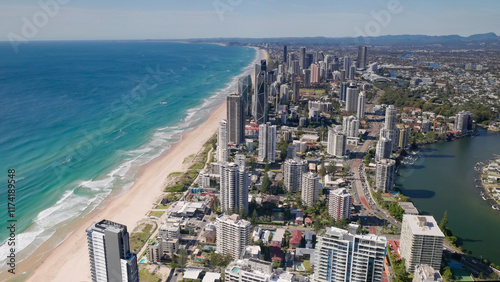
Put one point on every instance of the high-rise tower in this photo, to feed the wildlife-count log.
(361, 60)
(109, 253)
(235, 119)
(233, 188)
(259, 99)
(267, 142)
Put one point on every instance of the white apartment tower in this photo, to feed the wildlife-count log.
(342, 256)
(293, 171)
(233, 187)
(384, 176)
(109, 253)
(361, 106)
(350, 125)
(383, 149)
(222, 151)
(339, 204)
(421, 241)
(233, 235)
(336, 143)
(267, 142)
(390, 117)
(310, 186)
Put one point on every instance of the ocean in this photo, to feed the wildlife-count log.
(78, 120)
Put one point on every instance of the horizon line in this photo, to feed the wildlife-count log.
(278, 37)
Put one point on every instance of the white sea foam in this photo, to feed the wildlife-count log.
(84, 196)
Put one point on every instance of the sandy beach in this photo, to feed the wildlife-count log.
(69, 260)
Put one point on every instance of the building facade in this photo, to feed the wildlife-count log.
(310, 186)
(350, 125)
(234, 184)
(235, 119)
(336, 143)
(361, 106)
(109, 253)
(292, 174)
(267, 142)
(222, 151)
(233, 235)
(352, 97)
(339, 204)
(260, 96)
(361, 60)
(384, 175)
(383, 149)
(463, 121)
(344, 256)
(421, 241)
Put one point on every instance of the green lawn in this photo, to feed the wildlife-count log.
(388, 198)
(138, 239)
(162, 207)
(307, 265)
(147, 276)
(156, 213)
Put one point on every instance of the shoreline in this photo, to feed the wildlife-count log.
(485, 193)
(127, 208)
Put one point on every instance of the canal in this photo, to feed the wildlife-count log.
(443, 180)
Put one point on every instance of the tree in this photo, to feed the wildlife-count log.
(283, 148)
(317, 226)
(444, 221)
(255, 217)
(266, 167)
(266, 184)
(236, 210)
(243, 212)
(322, 170)
(214, 260)
(182, 259)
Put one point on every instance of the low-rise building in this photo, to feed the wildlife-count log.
(426, 273)
(295, 239)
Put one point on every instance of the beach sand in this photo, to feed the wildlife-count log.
(69, 260)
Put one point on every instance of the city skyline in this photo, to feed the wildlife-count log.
(66, 20)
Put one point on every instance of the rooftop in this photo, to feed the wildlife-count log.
(234, 220)
(211, 277)
(279, 235)
(408, 207)
(423, 225)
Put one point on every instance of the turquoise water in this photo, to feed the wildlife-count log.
(443, 180)
(78, 119)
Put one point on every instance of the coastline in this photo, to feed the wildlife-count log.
(70, 256)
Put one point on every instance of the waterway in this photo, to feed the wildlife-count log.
(443, 180)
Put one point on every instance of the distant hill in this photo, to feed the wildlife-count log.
(486, 40)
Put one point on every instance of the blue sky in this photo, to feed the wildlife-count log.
(155, 19)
